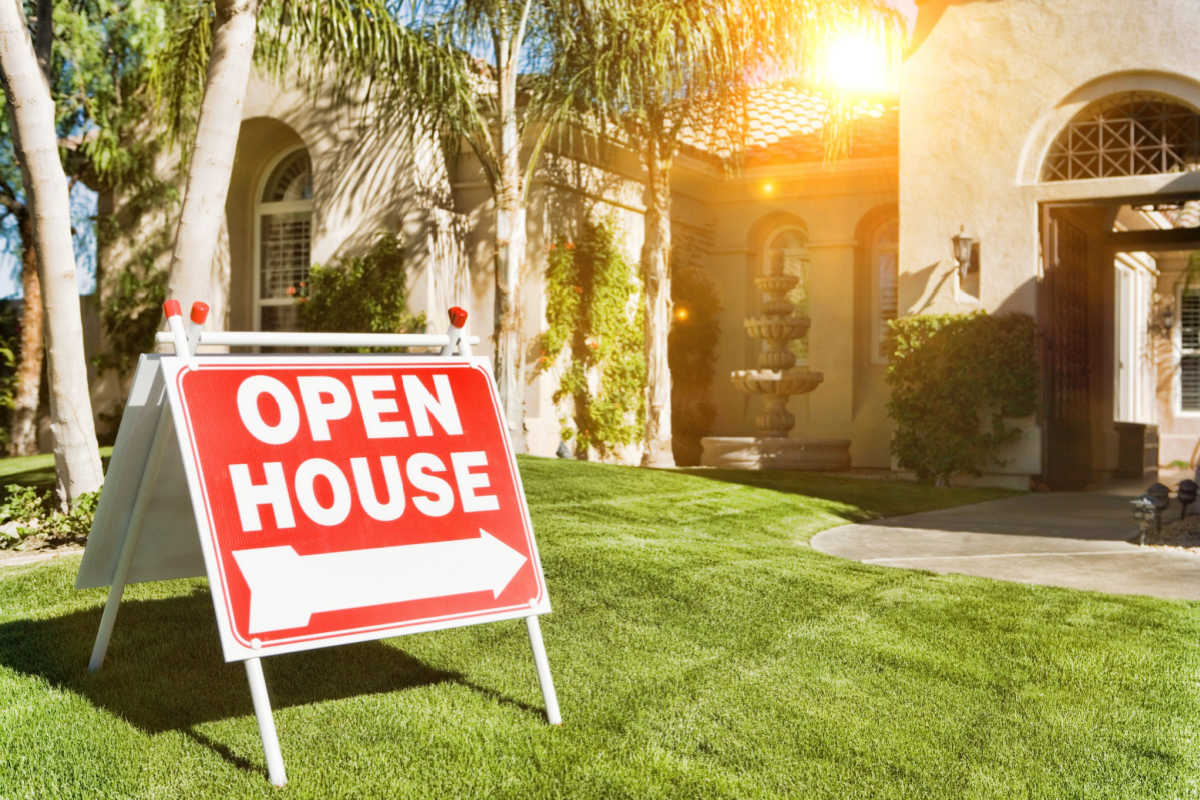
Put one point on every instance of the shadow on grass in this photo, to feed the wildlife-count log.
(165, 670)
(870, 498)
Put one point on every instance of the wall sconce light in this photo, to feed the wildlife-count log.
(964, 251)
(1161, 320)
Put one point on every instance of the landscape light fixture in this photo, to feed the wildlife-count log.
(1160, 496)
(1144, 514)
(1186, 494)
(964, 250)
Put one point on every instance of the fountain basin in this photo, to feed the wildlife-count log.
(798, 380)
(775, 452)
(776, 284)
(776, 329)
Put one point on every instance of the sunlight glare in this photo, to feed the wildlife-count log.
(857, 63)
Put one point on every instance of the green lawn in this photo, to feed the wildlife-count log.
(35, 470)
(700, 649)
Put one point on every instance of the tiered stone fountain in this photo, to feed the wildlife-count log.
(776, 380)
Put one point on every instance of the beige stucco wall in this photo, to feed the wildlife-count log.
(564, 189)
(720, 224)
(367, 178)
(831, 204)
(985, 90)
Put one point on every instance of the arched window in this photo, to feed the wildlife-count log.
(283, 216)
(786, 253)
(1135, 133)
(885, 250)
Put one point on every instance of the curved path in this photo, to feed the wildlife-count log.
(1076, 540)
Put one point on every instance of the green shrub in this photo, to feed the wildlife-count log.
(26, 512)
(367, 293)
(592, 312)
(955, 381)
(22, 503)
(692, 352)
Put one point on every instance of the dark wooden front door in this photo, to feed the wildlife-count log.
(1064, 308)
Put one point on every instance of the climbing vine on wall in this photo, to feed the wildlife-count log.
(593, 316)
(957, 380)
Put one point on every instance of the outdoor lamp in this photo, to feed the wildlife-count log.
(1160, 496)
(1144, 514)
(964, 249)
(1186, 494)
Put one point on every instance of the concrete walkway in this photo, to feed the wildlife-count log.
(1076, 540)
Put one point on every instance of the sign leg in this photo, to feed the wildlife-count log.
(543, 670)
(266, 723)
(129, 545)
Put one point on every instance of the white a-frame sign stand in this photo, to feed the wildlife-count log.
(333, 498)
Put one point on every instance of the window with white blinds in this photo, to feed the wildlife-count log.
(884, 288)
(1189, 350)
(284, 231)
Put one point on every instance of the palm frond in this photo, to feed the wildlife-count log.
(177, 78)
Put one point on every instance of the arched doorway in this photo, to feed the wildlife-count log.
(1101, 245)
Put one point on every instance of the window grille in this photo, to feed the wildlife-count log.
(286, 242)
(1189, 350)
(1130, 134)
(291, 180)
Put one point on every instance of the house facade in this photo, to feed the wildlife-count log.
(1063, 140)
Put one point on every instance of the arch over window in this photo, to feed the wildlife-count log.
(283, 250)
(1133, 133)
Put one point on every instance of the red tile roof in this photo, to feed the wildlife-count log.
(786, 125)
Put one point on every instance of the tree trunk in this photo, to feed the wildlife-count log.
(76, 457)
(23, 431)
(194, 272)
(656, 279)
(510, 258)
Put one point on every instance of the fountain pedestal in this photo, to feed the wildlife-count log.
(776, 380)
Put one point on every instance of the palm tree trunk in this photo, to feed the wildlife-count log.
(22, 439)
(656, 277)
(76, 457)
(192, 272)
(510, 255)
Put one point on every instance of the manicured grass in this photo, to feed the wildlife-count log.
(35, 470)
(700, 649)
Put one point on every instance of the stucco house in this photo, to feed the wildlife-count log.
(1062, 136)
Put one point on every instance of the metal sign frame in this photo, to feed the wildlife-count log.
(150, 478)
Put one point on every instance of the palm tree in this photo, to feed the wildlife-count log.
(35, 139)
(667, 69)
(233, 28)
(422, 68)
(99, 101)
(505, 106)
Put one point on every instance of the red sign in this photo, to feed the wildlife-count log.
(350, 498)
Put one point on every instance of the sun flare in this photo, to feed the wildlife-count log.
(857, 63)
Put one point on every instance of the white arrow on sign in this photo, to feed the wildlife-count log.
(287, 588)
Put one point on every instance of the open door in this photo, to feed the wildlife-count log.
(1066, 373)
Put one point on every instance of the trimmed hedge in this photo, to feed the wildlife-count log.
(956, 380)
